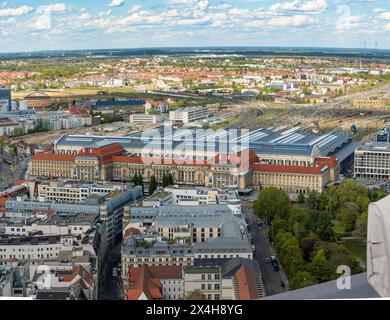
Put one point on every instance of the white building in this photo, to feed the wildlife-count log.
(145, 119)
(189, 114)
(8, 127)
(36, 249)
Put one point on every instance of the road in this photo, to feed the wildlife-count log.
(110, 286)
(9, 174)
(263, 249)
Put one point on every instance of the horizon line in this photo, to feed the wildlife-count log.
(307, 48)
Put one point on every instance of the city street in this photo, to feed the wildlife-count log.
(9, 174)
(263, 248)
(110, 286)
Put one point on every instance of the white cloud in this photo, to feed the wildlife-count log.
(56, 7)
(349, 22)
(378, 10)
(223, 6)
(313, 6)
(84, 16)
(135, 9)
(202, 5)
(13, 12)
(105, 13)
(116, 3)
(293, 21)
(384, 15)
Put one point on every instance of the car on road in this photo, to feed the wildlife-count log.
(275, 263)
(267, 260)
(282, 284)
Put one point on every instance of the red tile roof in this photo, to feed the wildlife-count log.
(258, 167)
(105, 154)
(166, 272)
(141, 281)
(139, 160)
(53, 157)
(331, 162)
(84, 274)
(246, 284)
(131, 231)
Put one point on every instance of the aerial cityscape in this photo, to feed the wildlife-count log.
(194, 150)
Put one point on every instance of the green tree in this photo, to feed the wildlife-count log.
(289, 253)
(361, 225)
(313, 200)
(347, 192)
(171, 181)
(308, 247)
(135, 179)
(302, 279)
(348, 214)
(377, 195)
(165, 182)
(320, 267)
(270, 203)
(152, 185)
(140, 180)
(301, 198)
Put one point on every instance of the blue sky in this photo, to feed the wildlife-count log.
(29, 25)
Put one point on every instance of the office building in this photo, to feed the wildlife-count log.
(189, 114)
(145, 119)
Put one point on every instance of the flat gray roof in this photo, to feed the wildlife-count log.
(360, 289)
(265, 140)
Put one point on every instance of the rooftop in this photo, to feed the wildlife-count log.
(262, 141)
(360, 289)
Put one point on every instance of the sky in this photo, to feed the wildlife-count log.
(32, 25)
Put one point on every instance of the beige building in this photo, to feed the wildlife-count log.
(296, 179)
(292, 173)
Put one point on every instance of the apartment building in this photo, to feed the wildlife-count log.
(8, 127)
(36, 249)
(151, 252)
(189, 114)
(232, 279)
(155, 283)
(38, 100)
(80, 224)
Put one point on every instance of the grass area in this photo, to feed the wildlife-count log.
(358, 249)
